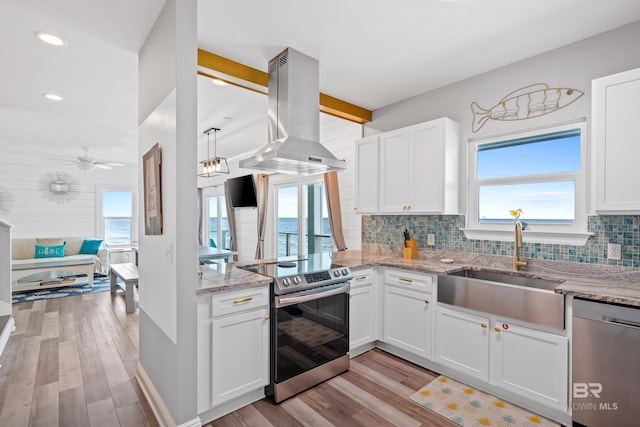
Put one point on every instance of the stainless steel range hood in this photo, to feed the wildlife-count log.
(294, 120)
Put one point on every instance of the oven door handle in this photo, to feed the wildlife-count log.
(285, 301)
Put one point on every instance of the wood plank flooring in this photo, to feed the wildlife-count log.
(374, 392)
(72, 362)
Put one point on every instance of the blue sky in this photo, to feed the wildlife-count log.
(117, 203)
(551, 200)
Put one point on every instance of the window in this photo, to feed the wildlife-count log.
(219, 232)
(543, 173)
(117, 219)
(302, 219)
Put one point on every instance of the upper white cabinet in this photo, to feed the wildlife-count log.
(615, 111)
(416, 171)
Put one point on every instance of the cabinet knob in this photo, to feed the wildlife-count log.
(426, 301)
(408, 207)
(483, 325)
(497, 329)
(355, 209)
(267, 317)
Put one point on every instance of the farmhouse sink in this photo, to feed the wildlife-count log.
(511, 295)
(509, 278)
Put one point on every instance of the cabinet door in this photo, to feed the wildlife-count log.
(361, 316)
(394, 171)
(462, 342)
(615, 108)
(407, 320)
(434, 167)
(240, 354)
(530, 363)
(367, 174)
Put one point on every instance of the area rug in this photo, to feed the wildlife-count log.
(100, 284)
(468, 407)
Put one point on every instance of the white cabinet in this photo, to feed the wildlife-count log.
(418, 169)
(367, 174)
(530, 363)
(615, 110)
(408, 314)
(233, 345)
(462, 342)
(521, 360)
(363, 312)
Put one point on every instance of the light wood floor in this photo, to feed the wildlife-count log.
(72, 361)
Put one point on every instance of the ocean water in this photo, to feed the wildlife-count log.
(117, 231)
(287, 228)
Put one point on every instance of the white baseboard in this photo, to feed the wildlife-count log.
(160, 411)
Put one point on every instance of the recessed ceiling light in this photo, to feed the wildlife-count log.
(50, 38)
(219, 82)
(53, 97)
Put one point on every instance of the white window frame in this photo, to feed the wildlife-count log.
(207, 193)
(571, 234)
(134, 214)
(301, 183)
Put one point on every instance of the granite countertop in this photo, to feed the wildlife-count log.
(595, 282)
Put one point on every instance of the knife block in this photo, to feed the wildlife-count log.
(411, 249)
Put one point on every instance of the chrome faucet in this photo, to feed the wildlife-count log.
(517, 262)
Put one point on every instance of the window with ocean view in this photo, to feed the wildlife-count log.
(541, 172)
(219, 234)
(117, 216)
(303, 221)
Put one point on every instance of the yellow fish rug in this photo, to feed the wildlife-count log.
(469, 407)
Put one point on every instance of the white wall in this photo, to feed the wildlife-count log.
(35, 216)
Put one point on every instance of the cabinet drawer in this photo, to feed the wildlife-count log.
(235, 301)
(362, 277)
(416, 281)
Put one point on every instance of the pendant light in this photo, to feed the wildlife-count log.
(213, 165)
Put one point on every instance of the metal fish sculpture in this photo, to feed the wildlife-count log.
(525, 103)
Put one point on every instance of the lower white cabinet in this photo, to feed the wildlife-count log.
(233, 352)
(363, 310)
(530, 363)
(408, 314)
(521, 360)
(462, 342)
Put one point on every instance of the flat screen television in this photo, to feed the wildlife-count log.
(242, 191)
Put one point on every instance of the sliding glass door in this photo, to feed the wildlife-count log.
(302, 220)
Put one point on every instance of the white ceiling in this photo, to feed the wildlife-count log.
(371, 52)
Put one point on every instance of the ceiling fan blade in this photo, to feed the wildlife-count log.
(113, 164)
(101, 165)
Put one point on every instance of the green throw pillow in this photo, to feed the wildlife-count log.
(49, 251)
(90, 247)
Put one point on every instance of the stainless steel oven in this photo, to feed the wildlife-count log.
(309, 323)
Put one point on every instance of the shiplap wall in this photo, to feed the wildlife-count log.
(35, 216)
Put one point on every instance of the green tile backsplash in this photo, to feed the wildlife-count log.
(622, 229)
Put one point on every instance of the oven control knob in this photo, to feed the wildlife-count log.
(286, 281)
(345, 271)
(336, 273)
(296, 280)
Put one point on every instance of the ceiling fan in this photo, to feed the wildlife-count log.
(87, 163)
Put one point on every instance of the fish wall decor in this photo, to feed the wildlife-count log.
(525, 103)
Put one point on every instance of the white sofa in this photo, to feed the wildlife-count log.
(24, 263)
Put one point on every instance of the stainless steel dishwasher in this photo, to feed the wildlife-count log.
(606, 364)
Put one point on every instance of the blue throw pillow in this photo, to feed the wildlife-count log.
(90, 247)
(49, 251)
